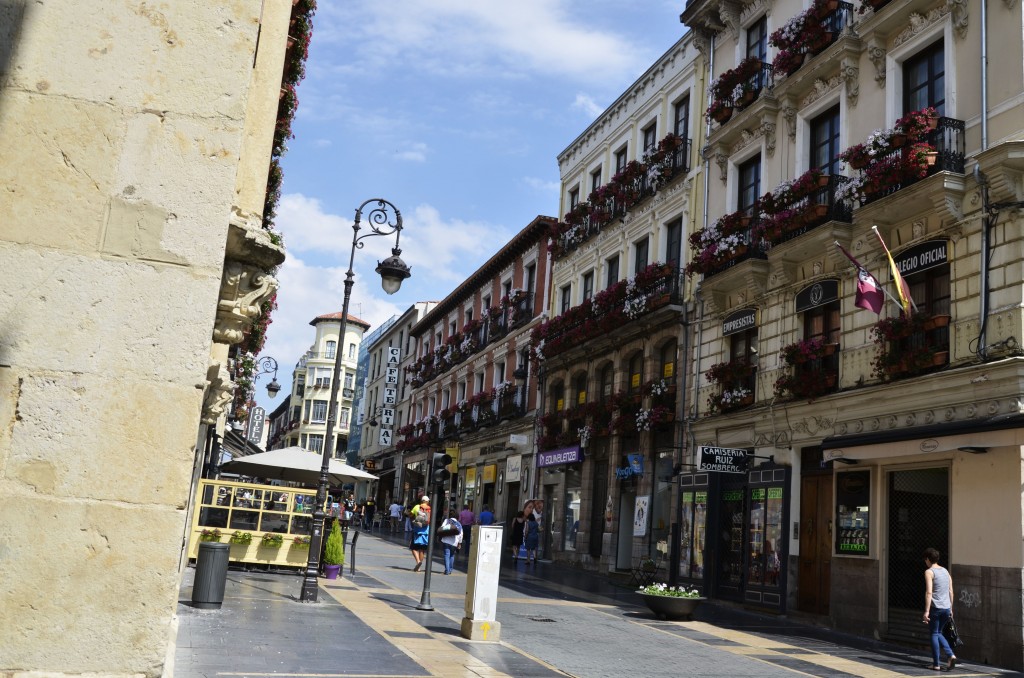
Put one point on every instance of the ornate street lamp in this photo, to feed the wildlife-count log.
(383, 219)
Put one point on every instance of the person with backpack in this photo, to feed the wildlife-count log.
(420, 531)
(450, 533)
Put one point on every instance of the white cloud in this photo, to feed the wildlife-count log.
(322, 143)
(587, 105)
(542, 185)
(415, 153)
(468, 37)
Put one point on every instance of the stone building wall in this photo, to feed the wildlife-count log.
(121, 126)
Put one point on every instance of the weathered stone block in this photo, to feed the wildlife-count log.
(142, 429)
(56, 169)
(88, 315)
(59, 560)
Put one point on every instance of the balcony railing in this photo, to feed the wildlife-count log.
(636, 182)
(754, 247)
(947, 140)
(611, 309)
(816, 209)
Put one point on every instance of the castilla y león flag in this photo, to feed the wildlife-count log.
(869, 292)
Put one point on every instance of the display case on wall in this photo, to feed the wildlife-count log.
(853, 513)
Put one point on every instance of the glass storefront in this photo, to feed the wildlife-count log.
(573, 496)
(746, 516)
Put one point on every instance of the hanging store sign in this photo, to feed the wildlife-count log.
(740, 321)
(257, 417)
(513, 468)
(820, 293)
(563, 455)
(723, 459)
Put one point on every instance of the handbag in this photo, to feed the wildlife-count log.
(951, 635)
(449, 531)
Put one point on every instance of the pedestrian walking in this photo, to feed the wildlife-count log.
(369, 508)
(516, 535)
(451, 538)
(486, 516)
(938, 607)
(421, 531)
(395, 512)
(531, 538)
(467, 519)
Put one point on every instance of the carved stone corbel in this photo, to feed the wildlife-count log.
(722, 160)
(243, 289)
(789, 114)
(248, 241)
(958, 9)
(702, 42)
(729, 13)
(768, 131)
(876, 52)
(850, 74)
(219, 392)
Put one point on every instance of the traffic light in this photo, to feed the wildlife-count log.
(439, 463)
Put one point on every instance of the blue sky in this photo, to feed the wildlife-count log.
(455, 111)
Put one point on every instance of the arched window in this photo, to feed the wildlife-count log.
(667, 359)
(607, 381)
(636, 373)
(580, 390)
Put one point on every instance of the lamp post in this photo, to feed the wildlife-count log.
(382, 219)
(265, 365)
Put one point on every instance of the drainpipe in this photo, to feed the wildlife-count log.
(988, 222)
(984, 74)
(675, 553)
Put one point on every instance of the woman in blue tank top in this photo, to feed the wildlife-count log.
(938, 607)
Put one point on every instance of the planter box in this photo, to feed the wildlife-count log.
(669, 607)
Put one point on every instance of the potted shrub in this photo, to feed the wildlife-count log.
(334, 551)
(671, 602)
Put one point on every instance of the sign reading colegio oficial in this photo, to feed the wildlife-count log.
(723, 459)
(922, 257)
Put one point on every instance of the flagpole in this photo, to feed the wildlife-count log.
(896, 279)
(880, 285)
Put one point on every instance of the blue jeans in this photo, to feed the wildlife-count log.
(937, 620)
(449, 557)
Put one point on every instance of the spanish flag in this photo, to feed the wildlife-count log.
(901, 285)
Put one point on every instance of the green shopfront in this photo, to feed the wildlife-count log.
(734, 537)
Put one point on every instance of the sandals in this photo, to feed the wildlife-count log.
(417, 568)
(951, 663)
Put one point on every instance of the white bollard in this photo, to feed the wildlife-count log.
(482, 585)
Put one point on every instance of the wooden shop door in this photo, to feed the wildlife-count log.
(815, 542)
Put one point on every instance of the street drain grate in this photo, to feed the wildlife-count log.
(542, 619)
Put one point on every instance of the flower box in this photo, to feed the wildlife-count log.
(722, 114)
(666, 607)
(935, 322)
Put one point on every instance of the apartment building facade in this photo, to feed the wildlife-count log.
(876, 424)
(473, 391)
(303, 422)
(611, 358)
(386, 405)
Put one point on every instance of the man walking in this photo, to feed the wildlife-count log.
(466, 519)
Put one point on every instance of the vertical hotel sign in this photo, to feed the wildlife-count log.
(387, 412)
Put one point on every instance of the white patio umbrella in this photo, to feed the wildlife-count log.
(294, 464)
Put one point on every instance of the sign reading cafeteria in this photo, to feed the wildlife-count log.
(563, 455)
(723, 459)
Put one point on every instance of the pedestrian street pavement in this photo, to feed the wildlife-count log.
(555, 621)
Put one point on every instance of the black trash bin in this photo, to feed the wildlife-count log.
(211, 575)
